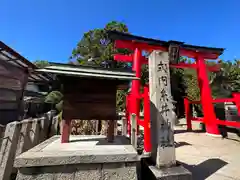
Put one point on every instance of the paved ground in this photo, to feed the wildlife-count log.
(208, 157)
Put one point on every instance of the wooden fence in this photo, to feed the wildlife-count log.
(18, 137)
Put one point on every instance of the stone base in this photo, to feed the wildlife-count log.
(110, 171)
(150, 172)
(173, 173)
(214, 135)
(84, 158)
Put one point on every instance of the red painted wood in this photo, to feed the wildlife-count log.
(140, 122)
(183, 65)
(128, 111)
(222, 100)
(66, 127)
(206, 97)
(194, 66)
(194, 54)
(236, 97)
(214, 68)
(131, 45)
(188, 114)
(147, 125)
(129, 58)
(134, 100)
(228, 123)
(123, 58)
(195, 102)
(219, 122)
(135, 89)
(199, 119)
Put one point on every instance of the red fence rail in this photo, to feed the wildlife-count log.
(190, 118)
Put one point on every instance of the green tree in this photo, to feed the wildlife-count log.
(96, 48)
(223, 82)
(41, 63)
(53, 97)
(226, 81)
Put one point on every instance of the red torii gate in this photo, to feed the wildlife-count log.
(138, 44)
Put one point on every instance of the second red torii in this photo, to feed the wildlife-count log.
(138, 44)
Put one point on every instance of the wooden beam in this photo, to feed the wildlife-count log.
(129, 58)
(132, 45)
(110, 131)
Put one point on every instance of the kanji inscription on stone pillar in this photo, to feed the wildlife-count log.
(161, 109)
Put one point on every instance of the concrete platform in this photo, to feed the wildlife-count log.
(208, 157)
(85, 157)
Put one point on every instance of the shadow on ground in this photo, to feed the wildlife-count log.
(178, 131)
(205, 169)
(181, 143)
(118, 140)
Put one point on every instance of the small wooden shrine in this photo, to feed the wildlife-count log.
(89, 93)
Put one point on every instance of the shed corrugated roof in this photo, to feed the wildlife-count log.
(15, 59)
(86, 71)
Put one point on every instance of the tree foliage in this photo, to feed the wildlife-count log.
(226, 81)
(95, 48)
(223, 82)
(41, 63)
(53, 97)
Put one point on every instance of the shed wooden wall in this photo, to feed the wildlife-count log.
(89, 98)
(11, 90)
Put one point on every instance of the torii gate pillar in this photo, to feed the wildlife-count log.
(162, 118)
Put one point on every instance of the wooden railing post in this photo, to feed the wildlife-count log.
(188, 114)
(110, 131)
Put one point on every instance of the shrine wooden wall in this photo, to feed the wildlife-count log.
(89, 98)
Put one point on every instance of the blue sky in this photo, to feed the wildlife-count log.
(50, 29)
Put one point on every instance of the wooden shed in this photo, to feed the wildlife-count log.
(89, 92)
(15, 72)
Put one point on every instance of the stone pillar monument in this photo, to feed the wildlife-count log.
(162, 119)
